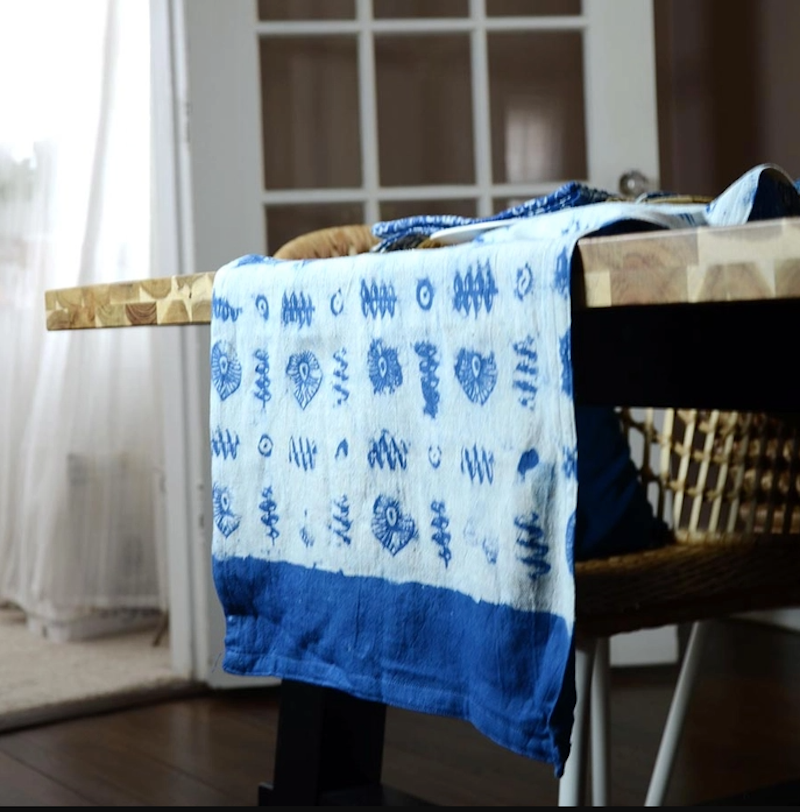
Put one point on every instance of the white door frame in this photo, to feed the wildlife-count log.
(168, 240)
(184, 229)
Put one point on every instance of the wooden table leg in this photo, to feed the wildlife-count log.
(329, 751)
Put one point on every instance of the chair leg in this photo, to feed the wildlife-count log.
(676, 716)
(572, 785)
(600, 725)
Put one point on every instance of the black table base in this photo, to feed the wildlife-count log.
(329, 751)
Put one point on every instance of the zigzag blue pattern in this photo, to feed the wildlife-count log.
(378, 299)
(478, 464)
(387, 451)
(297, 309)
(534, 551)
(224, 443)
(341, 522)
(474, 290)
(441, 536)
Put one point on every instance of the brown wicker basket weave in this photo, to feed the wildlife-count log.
(726, 483)
(728, 486)
(336, 241)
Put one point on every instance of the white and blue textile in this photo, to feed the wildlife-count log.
(394, 468)
(763, 193)
(406, 232)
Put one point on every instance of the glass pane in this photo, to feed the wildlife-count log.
(309, 89)
(424, 110)
(532, 8)
(420, 8)
(306, 10)
(537, 115)
(284, 223)
(395, 209)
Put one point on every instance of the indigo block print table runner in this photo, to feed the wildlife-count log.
(394, 469)
(393, 451)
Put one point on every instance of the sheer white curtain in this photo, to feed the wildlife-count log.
(80, 455)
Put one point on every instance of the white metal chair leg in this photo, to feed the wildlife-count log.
(665, 758)
(600, 727)
(572, 785)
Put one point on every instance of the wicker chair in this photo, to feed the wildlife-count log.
(336, 241)
(728, 486)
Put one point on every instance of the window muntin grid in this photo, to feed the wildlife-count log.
(484, 185)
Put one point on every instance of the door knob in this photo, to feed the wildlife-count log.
(634, 183)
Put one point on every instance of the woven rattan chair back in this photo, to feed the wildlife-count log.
(728, 486)
(716, 475)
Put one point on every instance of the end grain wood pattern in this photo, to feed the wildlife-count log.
(756, 261)
(146, 302)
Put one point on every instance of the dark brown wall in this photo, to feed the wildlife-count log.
(729, 90)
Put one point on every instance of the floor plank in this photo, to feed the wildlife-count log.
(21, 785)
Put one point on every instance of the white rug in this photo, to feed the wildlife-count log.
(43, 681)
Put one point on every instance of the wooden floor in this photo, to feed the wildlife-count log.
(214, 749)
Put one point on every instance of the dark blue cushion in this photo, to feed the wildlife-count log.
(613, 514)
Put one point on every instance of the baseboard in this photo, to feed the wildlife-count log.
(94, 624)
(645, 647)
(108, 703)
(788, 619)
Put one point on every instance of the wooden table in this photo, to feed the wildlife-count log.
(701, 318)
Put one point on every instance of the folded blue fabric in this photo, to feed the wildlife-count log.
(399, 473)
(766, 191)
(407, 232)
(614, 515)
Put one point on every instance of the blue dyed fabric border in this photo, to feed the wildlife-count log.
(356, 634)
